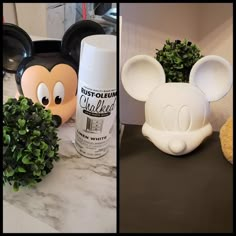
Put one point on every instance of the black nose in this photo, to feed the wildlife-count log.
(57, 120)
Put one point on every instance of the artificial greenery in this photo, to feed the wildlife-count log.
(177, 59)
(30, 142)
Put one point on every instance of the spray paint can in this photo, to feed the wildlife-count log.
(97, 95)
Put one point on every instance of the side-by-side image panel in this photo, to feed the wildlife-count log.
(60, 117)
(176, 138)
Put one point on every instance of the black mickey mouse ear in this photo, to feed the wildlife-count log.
(73, 36)
(16, 46)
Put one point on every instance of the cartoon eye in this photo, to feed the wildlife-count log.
(167, 118)
(43, 94)
(184, 118)
(58, 92)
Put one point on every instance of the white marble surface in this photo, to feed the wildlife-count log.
(79, 195)
(17, 225)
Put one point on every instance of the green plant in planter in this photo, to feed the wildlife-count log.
(30, 142)
(177, 59)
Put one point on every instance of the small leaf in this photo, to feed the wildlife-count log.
(26, 160)
(21, 122)
(41, 166)
(36, 133)
(29, 147)
(13, 148)
(42, 144)
(22, 132)
(7, 139)
(180, 66)
(37, 152)
(11, 100)
(9, 172)
(37, 172)
(16, 187)
(36, 143)
(167, 47)
(34, 167)
(32, 183)
(49, 165)
(24, 107)
(51, 154)
(21, 169)
(19, 155)
(23, 102)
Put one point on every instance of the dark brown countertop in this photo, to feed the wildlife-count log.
(163, 193)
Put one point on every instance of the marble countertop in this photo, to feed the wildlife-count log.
(79, 195)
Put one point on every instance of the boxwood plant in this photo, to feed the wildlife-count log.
(177, 59)
(30, 142)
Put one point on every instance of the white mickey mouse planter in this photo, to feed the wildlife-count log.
(177, 114)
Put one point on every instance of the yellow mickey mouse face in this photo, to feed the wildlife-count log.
(46, 70)
(54, 89)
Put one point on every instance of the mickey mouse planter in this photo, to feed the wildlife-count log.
(177, 114)
(47, 71)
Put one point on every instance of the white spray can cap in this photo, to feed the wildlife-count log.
(98, 61)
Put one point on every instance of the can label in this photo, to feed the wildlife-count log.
(95, 116)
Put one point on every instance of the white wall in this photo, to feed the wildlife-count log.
(145, 27)
(216, 37)
(9, 13)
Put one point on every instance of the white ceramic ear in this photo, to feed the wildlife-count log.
(213, 75)
(140, 75)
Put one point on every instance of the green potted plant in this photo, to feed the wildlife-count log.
(30, 142)
(177, 59)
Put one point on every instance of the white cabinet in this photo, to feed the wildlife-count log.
(146, 26)
(55, 20)
(32, 17)
(9, 13)
(51, 19)
(41, 19)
